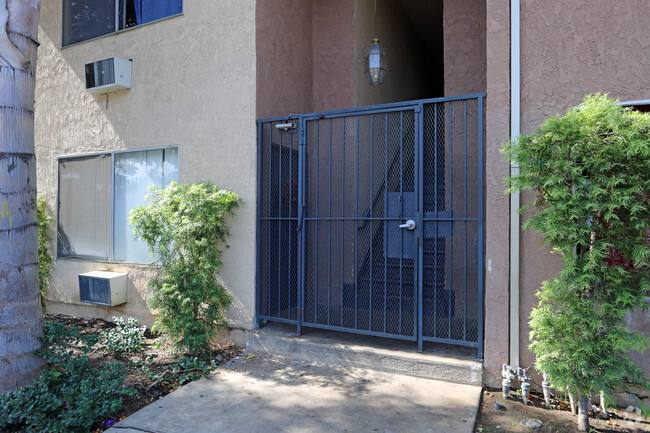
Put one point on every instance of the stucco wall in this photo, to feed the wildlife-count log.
(284, 57)
(304, 64)
(311, 56)
(497, 128)
(333, 55)
(570, 49)
(464, 46)
(194, 86)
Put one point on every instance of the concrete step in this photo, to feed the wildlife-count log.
(438, 361)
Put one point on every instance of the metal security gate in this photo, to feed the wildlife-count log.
(370, 220)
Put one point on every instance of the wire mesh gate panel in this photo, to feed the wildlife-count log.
(371, 221)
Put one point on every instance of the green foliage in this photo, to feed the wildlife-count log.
(126, 337)
(44, 220)
(70, 395)
(183, 225)
(192, 368)
(185, 370)
(590, 171)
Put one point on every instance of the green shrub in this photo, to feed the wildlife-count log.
(70, 395)
(126, 337)
(590, 171)
(44, 221)
(183, 226)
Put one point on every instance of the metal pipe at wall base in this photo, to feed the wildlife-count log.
(515, 129)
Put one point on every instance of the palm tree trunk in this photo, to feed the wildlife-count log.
(21, 321)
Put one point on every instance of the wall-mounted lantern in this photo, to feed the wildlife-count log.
(376, 63)
(375, 58)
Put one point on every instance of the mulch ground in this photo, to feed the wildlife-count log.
(559, 419)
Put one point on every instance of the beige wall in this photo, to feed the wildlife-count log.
(194, 84)
(570, 49)
(497, 129)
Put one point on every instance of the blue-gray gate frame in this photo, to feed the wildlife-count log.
(296, 219)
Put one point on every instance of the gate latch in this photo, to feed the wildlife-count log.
(410, 225)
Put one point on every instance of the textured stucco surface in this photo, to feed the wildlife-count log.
(284, 57)
(570, 49)
(496, 202)
(311, 56)
(194, 84)
(333, 56)
(464, 46)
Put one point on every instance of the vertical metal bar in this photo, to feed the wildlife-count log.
(329, 236)
(385, 213)
(465, 216)
(342, 223)
(356, 234)
(280, 226)
(117, 16)
(451, 208)
(112, 208)
(258, 227)
(419, 187)
(290, 219)
(372, 230)
(480, 228)
(315, 249)
(268, 223)
(436, 165)
(302, 183)
(401, 212)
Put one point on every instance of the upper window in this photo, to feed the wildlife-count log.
(96, 194)
(88, 19)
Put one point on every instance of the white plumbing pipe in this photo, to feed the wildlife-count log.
(515, 130)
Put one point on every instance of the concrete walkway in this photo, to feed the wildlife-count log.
(273, 394)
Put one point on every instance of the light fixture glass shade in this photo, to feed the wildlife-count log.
(376, 63)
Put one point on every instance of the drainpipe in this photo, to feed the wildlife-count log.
(515, 109)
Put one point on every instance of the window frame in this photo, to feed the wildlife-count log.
(117, 23)
(111, 206)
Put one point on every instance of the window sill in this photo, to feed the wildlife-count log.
(119, 31)
(108, 262)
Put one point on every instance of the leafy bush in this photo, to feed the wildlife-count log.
(70, 395)
(183, 226)
(44, 220)
(126, 337)
(590, 171)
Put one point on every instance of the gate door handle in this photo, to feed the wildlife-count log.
(410, 225)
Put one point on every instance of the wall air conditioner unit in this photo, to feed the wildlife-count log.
(102, 288)
(108, 75)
